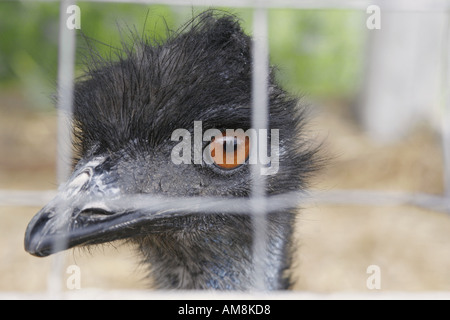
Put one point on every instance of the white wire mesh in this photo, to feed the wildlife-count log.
(357, 197)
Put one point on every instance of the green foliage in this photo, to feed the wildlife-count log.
(28, 50)
(318, 52)
(112, 23)
(28, 44)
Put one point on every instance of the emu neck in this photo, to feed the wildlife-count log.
(214, 255)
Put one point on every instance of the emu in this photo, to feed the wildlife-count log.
(125, 111)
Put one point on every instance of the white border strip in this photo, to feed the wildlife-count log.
(97, 294)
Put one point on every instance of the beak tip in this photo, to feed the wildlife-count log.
(39, 254)
(32, 241)
(34, 248)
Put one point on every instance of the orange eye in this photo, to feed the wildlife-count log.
(229, 152)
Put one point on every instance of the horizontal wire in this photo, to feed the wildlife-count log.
(26, 198)
(242, 205)
(392, 5)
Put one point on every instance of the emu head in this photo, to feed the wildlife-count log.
(125, 113)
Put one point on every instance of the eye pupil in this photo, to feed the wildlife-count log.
(229, 152)
(230, 145)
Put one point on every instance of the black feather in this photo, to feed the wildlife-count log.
(127, 106)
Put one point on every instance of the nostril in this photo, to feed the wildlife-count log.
(95, 213)
(40, 223)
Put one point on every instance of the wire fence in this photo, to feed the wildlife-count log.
(259, 204)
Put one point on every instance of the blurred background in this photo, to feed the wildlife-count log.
(377, 98)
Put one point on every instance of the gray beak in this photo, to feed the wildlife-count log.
(79, 214)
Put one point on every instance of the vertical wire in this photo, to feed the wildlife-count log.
(66, 63)
(446, 108)
(446, 111)
(260, 76)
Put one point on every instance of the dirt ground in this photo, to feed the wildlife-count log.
(336, 244)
